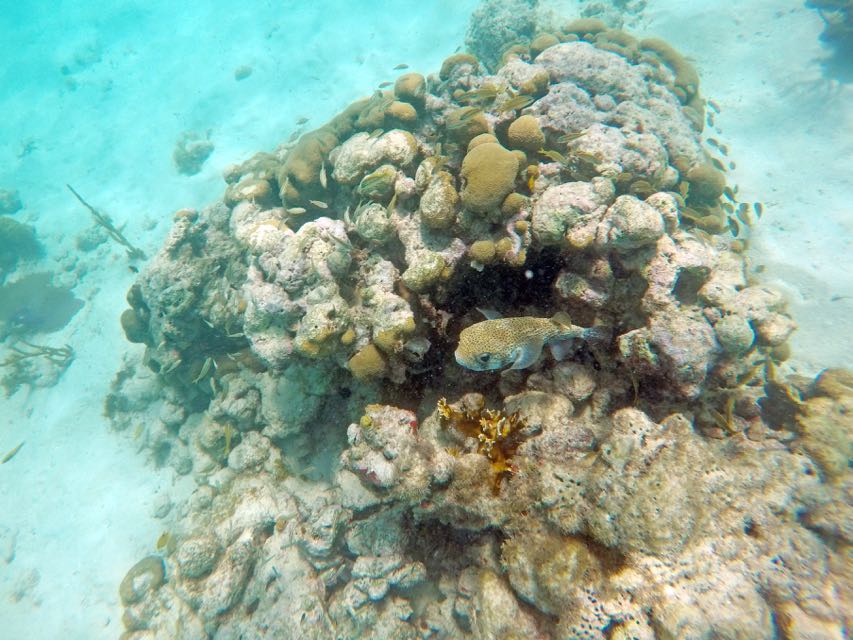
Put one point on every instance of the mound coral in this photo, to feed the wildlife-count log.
(488, 172)
(665, 479)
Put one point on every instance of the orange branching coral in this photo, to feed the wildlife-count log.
(498, 434)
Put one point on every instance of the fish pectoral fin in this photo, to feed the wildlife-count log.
(562, 318)
(527, 353)
(490, 314)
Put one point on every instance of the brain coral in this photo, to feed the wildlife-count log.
(489, 173)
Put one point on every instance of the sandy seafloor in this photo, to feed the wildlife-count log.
(77, 502)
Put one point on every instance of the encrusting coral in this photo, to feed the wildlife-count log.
(667, 480)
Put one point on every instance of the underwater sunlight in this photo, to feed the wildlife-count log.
(479, 320)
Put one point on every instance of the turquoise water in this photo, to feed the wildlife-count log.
(218, 415)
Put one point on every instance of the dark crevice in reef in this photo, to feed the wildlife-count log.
(443, 548)
(526, 290)
(507, 289)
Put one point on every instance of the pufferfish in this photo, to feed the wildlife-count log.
(497, 342)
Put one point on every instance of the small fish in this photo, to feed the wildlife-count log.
(294, 135)
(732, 165)
(727, 207)
(719, 165)
(163, 540)
(759, 209)
(459, 119)
(140, 429)
(734, 227)
(324, 180)
(590, 158)
(554, 156)
(515, 103)
(641, 186)
(319, 204)
(401, 66)
(571, 137)
(713, 142)
(702, 235)
(498, 342)
(743, 215)
(301, 120)
(485, 93)
(11, 454)
(133, 269)
(173, 366)
(228, 432)
(723, 149)
(297, 211)
(466, 113)
(710, 120)
(383, 85)
(714, 106)
(205, 369)
(375, 133)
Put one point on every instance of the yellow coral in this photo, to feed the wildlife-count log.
(456, 60)
(542, 42)
(489, 172)
(466, 123)
(367, 363)
(411, 88)
(513, 204)
(481, 139)
(686, 78)
(497, 433)
(483, 251)
(401, 114)
(525, 134)
(584, 26)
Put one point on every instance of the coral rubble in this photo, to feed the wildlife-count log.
(667, 481)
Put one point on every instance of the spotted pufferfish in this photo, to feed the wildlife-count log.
(497, 342)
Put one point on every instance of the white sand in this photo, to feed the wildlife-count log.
(79, 497)
(791, 135)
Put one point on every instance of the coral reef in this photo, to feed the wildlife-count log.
(17, 242)
(191, 151)
(668, 479)
(33, 365)
(837, 16)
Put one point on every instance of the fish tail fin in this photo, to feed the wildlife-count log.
(595, 337)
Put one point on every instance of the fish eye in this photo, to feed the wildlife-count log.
(484, 357)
